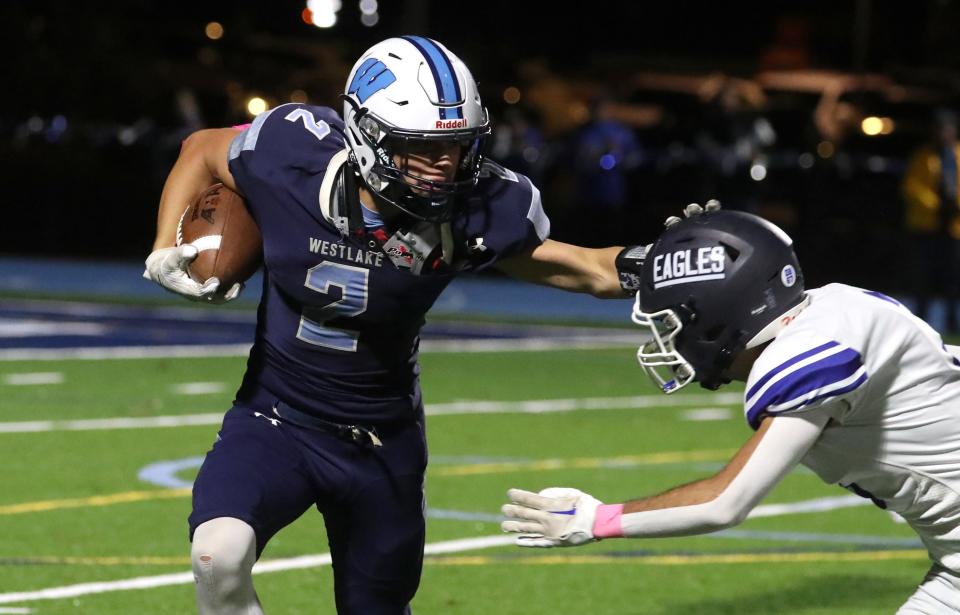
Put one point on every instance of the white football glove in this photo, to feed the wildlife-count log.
(555, 517)
(693, 209)
(168, 268)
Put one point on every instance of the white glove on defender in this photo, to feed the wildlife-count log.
(555, 517)
(168, 268)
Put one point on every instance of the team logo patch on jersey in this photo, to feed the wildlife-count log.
(400, 252)
(691, 265)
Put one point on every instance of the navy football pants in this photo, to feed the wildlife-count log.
(267, 473)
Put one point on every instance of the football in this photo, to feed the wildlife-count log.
(219, 225)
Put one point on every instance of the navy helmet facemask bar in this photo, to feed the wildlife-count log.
(439, 199)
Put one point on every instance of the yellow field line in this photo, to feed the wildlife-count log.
(109, 560)
(582, 463)
(96, 500)
(684, 560)
(461, 470)
(538, 560)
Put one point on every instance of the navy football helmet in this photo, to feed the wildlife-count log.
(410, 94)
(712, 285)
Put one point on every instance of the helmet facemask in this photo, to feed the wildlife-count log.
(659, 357)
(421, 197)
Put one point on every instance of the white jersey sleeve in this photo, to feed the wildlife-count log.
(801, 370)
(891, 389)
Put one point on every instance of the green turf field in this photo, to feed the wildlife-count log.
(73, 511)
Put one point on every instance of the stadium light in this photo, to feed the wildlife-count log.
(871, 126)
(887, 125)
(368, 13)
(511, 95)
(825, 149)
(256, 106)
(324, 6)
(214, 30)
(321, 13)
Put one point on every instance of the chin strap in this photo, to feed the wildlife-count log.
(348, 199)
(332, 204)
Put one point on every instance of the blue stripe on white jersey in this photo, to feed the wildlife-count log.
(883, 297)
(448, 90)
(823, 372)
(786, 364)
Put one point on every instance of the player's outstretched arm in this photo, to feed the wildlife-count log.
(610, 273)
(567, 517)
(568, 267)
(203, 161)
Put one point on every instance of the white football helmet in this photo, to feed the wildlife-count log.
(409, 89)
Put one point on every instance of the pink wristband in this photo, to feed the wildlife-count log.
(606, 523)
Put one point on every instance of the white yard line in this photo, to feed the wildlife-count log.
(198, 388)
(33, 378)
(323, 559)
(708, 414)
(112, 423)
(532, 406)
(599, 341)
(124, 352)
(184, 578)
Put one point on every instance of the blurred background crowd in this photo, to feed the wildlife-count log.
(834, 119)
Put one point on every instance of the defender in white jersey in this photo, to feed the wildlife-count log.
(843, 380)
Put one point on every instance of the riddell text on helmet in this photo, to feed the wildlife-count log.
(452, 123)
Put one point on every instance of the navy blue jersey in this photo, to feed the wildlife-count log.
(338, 324)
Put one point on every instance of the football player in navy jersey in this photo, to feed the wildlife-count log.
(365, 219)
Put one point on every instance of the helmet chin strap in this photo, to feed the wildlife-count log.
(714, 378)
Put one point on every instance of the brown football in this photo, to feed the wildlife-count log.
(219, 225)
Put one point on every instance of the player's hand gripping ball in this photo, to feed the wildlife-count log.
(228, 242)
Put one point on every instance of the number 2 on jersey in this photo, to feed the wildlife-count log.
(353, 283)
(319, 129)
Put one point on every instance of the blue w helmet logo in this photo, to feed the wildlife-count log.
(372, 76)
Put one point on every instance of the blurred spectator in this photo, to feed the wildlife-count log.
(606, 150)
(519, 144)
(734, 141)
(933, 217)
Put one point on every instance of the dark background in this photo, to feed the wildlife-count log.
(99, 96)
